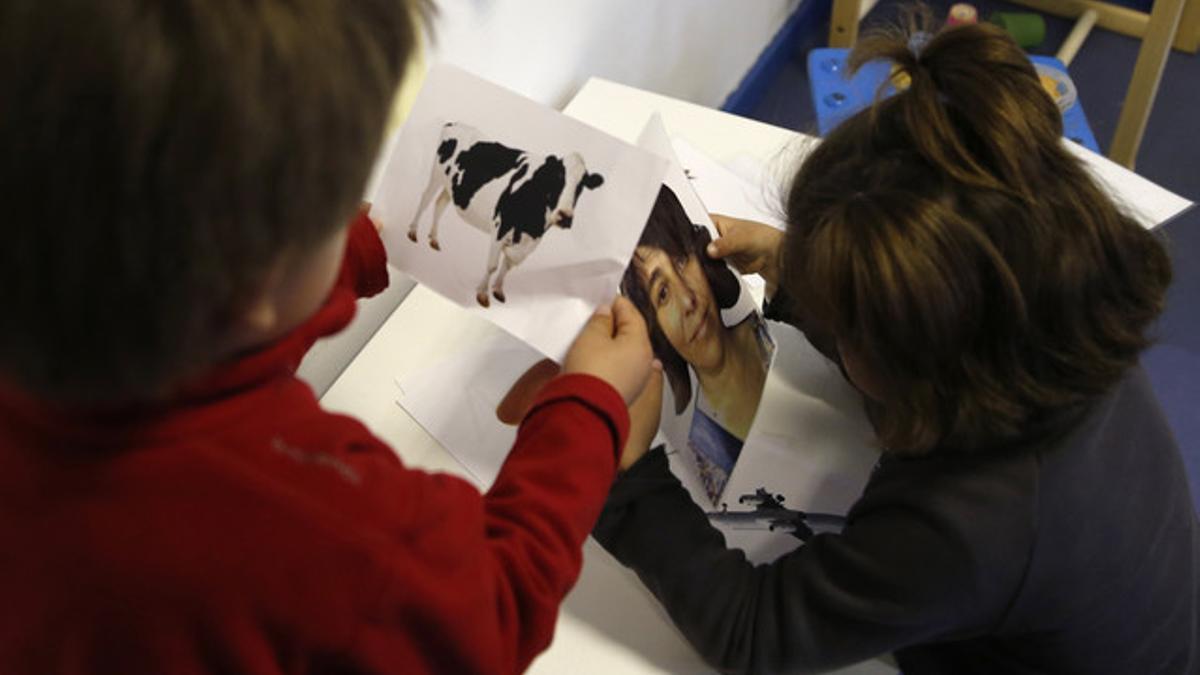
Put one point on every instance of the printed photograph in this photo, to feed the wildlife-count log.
(511, 209)
(513, 197)
(713, 344)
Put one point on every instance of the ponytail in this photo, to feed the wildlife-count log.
(949, 238)
(974, 107)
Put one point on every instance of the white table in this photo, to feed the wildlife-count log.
(609, 622)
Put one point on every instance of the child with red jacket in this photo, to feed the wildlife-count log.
(172, 497)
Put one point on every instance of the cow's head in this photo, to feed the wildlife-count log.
(576, 180)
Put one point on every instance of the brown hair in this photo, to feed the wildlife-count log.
(948, 237)
(670, 230)
(158, 155)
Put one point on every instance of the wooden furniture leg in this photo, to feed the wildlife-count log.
(843, 22)
(1143, 84)
(1188, 36)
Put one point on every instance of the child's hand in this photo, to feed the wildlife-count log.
(644, 415)
(750, 246)
(521, 395)
(615, 347)
(365, 207)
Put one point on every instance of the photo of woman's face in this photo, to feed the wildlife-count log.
(713, 345)
(684, 305)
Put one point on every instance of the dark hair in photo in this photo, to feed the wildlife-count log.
(951, 239)
(158, 155)
(670, 230)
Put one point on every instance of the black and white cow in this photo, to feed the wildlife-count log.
(512, 195)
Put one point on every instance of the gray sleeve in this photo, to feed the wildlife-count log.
(896, 576)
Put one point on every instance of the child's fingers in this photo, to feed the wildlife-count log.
(627, 320)
(364, 209)
(651, 397)
(601, 323)
(722, 222)
(645, 414)
(732, 237)
(732, 242)
(614, 347)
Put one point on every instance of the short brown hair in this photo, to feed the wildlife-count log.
(950, 239)
(157, 154)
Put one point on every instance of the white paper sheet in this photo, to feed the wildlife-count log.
(455, 397)
(1150, 204)
(558, 277)
(810, 442)
(727, 192)
(707, 441)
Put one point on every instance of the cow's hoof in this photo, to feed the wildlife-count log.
(499, 295)
(433, 244)
(482, 299)
(412, 236)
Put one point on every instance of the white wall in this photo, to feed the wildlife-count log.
(697, 50)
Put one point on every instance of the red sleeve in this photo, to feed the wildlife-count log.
(364, 269)
(545, 502)
(483, 575)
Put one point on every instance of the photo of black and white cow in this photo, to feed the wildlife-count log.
(512, 195)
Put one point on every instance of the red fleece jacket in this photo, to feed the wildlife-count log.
(244, 529)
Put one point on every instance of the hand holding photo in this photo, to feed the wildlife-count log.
(704, 326)
(714, 369)
(546, 210)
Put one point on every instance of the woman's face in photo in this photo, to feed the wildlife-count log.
(684, 305)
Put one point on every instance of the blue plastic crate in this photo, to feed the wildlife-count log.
(835, 97)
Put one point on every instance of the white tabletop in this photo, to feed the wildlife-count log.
(609, 622)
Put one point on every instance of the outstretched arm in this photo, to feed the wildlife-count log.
(902, 572)
(474, 582)
(484, 575)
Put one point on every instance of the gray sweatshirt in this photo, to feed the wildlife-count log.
(1073, 553)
